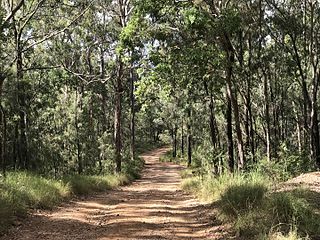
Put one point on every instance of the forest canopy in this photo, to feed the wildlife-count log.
(84, 83)
(232, 86)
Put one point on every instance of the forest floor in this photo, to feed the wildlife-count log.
(153, 207)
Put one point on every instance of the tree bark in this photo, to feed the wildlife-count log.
(78, 140)
(229, 135)
(212, 121)
(133, 112)
(234, 102)
(117, 117)
(3, 143)
(174, 141)
(267, 115)
(23, 143)
(182, 138)
(189, 138)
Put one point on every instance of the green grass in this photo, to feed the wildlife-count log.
(21, 191)
(84, 185)
(256, 212)
(210, 188)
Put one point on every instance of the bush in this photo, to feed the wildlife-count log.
(257, 213)
(242, 198)
(290, 211)
(191, 185)
(133, 168)
(292, 235)
(288, 165)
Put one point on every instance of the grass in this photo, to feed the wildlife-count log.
(210, 188)
(292, 235)
(255, 210)
(22, 191)
(167, 157)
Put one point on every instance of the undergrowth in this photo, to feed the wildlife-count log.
(22, 191)
(248, 200)
(256, 211)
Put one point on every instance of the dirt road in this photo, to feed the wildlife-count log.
(153, 207)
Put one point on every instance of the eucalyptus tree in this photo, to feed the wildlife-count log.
(295, 29)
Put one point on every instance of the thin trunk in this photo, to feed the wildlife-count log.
(15, 149)
(267, 115)
(189, 138)
(117, 117)
(315, 140)
(182, 138)
(23, 143)
(298, 127)
(132, 120)
(241, 157)
(174, 141)
(248, 102)
(78, 109)
(3, 142)
(229, 135)
(212, 121)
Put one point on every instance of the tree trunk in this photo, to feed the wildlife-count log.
(212, 121)
(15, 149)
(3, 142)
(117, 117)
(132, 120)
(78, 140)
(241, 157)
(174, 141)
(182, 138)
(315, 141)
(267, 116)
(229, 135)
(189, 138)
(23, 143)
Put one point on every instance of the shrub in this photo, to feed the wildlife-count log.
(290, 210)
(133, 168)
(191, 185)
(292, 235)
(242, 198)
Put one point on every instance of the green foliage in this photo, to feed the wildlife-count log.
(289, 164)
(21, 191)
(290, 210)
(84, 185)
(213, 188)
(238, 199)
(191, 184)
(256, 211)
(133, 168)
(229, 21)
(29, 190)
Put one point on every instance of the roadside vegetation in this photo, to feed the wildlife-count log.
(21, 192)
(233, 85)
(257, 203)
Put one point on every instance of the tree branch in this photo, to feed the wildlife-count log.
(53, 34)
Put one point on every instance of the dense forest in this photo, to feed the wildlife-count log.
(231, 85)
